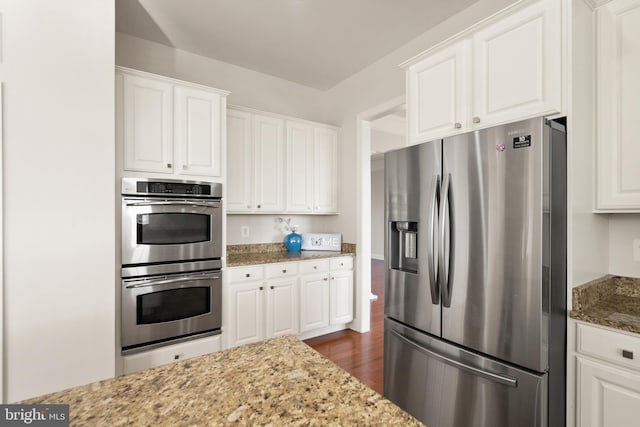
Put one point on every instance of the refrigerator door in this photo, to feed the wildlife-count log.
(412, 179)
(445, 386)
(492, 214)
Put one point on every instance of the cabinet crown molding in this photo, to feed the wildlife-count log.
(148, 75)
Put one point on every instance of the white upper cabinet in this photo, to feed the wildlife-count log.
(506, 69)
(437, 93)
(325, 167)
(198, 131)
(618, 103)
(147, 113)
(280, 165)
(312, 168)
(240, 163)
(167, 126)
(299, 164)
(268, 139)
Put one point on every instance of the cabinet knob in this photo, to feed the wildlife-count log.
(317, 207)
(627, 354)
(342, 264)
(169, 165)
(325, 279)
(261, 288)
(457, 125)
(284, 271)
(248, 275)
(258, 206)
(476, 119)
(185, 167)
(248, 206)
(271, 287)
(315, 267)
(176, 356)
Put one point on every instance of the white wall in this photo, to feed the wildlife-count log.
(377, 207)
(382, 142)
(623, 229)
(248, 89)
(267, 228)
(57, 68)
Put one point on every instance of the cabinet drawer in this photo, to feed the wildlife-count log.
(314, 266)
(171, 353)
(281, 270)
(343, 263)
(245, 274)
(609, 346)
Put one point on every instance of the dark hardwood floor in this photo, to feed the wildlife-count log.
(360, 354)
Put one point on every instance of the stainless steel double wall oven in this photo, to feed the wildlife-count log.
(171, 261)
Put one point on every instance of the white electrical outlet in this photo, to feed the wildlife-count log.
(636, 250)
(244, 231)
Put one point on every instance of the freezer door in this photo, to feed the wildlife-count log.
(412, 177)
(492, 231)
(445, 386)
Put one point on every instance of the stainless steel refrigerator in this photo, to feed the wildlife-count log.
(475, 284)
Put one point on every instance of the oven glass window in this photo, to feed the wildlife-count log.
(173, 304)
(173, 228)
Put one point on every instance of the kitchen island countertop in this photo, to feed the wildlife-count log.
(280, 381)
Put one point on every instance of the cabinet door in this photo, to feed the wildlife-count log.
(341, 297)
(246, 313)
(282, 307)
(198, 131)
(239, 162)
(606, 396)
(314, 301)
(517, 70)
(147, 124)
(618, 89)
(268, 142)
(325, 182)
(299, 174)
(438, 95)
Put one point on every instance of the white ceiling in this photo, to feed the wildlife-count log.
(317, 43)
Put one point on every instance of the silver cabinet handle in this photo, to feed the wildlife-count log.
(457, 125)
(431, 249)
(476, 119)
(502, 379)
(444, 247)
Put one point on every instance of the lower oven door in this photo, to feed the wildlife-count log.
(167, 230)
(162, 308)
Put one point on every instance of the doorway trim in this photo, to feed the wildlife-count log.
(363, 156)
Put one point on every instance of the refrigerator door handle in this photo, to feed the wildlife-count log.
(444, 249)
(502, 379)
(431, 250)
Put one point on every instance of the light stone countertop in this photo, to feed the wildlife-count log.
(276, 382)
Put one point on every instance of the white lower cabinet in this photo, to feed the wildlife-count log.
(327, 293)
(171, 353)
(292, 298)
(261, 302)
(608, 377)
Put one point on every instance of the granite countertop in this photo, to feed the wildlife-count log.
(266, 253)
(281, 381)
(609, 301)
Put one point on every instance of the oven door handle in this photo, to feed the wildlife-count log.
(176, 203)
(168, 281)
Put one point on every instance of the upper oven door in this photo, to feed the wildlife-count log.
(166, 230)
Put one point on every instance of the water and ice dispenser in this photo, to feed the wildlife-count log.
(403, 246)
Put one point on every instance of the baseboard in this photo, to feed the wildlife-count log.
(377, 256)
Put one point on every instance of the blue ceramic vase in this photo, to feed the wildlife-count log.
(293, 242)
